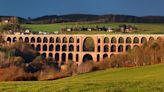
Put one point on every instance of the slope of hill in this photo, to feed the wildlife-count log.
(140, 79)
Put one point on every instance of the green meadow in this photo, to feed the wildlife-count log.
(143, 28)
(139, 79)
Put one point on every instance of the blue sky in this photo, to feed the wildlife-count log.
(36, 8)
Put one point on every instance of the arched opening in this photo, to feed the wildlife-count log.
(64, 40)
(57, 57)
(106, 49)
(99, 41)
(45, 47)
(136, 40)
(44, 55)
(128, 40)
(45, 40)
(159, 39)
(113, 48)
(135, 47)
(71, 40)
(113, 40)
(32, 40)
(9, 39)
(120, 48)
(50, 55)
(58, 40)
(151, 39)
(78, 41)
(26, 40)
(57, 48)
(70, 56)
(38, 47)
(14, 39)
(121, 40)
(39, 40)
(33, 46)
(98, 57)
(63, 58)
(64, 48)
(128, 47)
(51, 40)
(88, 44)
(87, 57)
(20, 39)
(111, 55)
(77, 57)
(51, 47)
(106, 40)
(98, 49)
(105, 56)
(143, 40)
(71, 48)
(78, 49)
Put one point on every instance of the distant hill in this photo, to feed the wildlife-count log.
(50, 19)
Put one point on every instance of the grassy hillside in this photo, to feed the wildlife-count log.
(145, 28)
(141, 79)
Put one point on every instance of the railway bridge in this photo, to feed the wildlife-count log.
(63, 47)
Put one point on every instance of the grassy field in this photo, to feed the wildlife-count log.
(145, 28)
(141, 79)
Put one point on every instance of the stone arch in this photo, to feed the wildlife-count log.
(71, 40)
(26, 40)
(136, 40)
(87, 57)
(58, 40)
(113, 40)
(111, 55)
(20, 39)
(39, 40)
(113, 48)
(33, 46)
(70, 56)
(88, 44)
(44, 55)
(63, 58)
(135, 47)
(98, 57)
(106, 40)
(128, 40)
(120, 48)
(159, 39)
(105, 56)
(99, 41)
(50, 55)
(51, 47)
(128, 47)
(38, 47)
(106, 48)
(121, 40)
(78, 41)
(77, 49)
(51, 40)
(77, 57)
(98, 48)
(32, 40)
(57, 57)
(44, 47)
(64, 40)
(151, 39)
(71, 48)
(8, 39)
(143, 40)
(45, 40)
(14, 39)
(57, 48)
(64, 48)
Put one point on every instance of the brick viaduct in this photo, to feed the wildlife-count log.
(63, 48)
